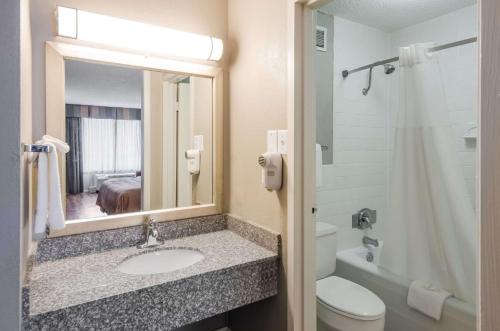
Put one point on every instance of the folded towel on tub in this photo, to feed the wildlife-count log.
(427, 299)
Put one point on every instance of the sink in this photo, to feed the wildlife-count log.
(160, 261)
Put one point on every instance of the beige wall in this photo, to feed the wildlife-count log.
(202, 104)
(197, 16)
(257, 103)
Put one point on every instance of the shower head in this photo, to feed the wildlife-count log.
(389, 69)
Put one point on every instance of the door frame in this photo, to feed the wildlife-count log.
(488, 186)
(301, 104)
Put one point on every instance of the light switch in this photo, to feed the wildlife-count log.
(272, 141)
(283, 141)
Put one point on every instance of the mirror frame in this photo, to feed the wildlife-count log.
(55, 55)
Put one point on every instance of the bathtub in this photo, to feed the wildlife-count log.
(392, 289)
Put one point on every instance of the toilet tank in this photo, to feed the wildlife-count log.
(326, 249)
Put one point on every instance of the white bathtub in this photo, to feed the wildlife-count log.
(392, 289)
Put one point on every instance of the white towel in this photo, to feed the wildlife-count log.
(427, 299)
(42, 197)
(319, 166)
(49, 211)
(61, 146)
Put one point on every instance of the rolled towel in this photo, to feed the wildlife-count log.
(62, 146)
(427, 299)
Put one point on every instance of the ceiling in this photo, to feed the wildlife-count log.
(103, 85)
(390, 15)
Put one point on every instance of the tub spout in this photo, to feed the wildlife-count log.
(370, 241)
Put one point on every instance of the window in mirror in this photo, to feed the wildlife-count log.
(140, 140)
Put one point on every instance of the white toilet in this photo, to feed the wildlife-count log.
(341, 304)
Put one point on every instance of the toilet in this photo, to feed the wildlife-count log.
(341, 304)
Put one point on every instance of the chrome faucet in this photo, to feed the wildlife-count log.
(151, 233)
(364, 219)
(370, 241)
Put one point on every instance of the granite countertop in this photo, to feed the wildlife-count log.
(72, 281)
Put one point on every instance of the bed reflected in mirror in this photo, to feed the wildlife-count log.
(139, 140)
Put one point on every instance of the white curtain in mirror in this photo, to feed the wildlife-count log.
(110, 145)
(98, 145)
(128, 145)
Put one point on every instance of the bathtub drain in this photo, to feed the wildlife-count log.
(369, 257)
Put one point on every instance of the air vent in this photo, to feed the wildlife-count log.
(321, 38)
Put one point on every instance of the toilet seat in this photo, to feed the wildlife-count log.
(349, 299)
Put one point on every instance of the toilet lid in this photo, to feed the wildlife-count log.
(349, 299)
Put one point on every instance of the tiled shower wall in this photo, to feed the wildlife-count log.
(363, 133)
(357, 178)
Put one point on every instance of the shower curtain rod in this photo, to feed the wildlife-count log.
(346, 73)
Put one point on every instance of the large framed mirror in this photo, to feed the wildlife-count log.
(144, 136)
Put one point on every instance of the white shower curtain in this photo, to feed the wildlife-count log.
(430, 232)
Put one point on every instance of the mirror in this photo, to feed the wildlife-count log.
(323, 55)
(140, 140)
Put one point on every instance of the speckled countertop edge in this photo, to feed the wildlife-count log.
(71, 281)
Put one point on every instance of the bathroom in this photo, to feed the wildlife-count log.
(236, 165)
(382, 132)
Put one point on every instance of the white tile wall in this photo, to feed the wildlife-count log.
(358, 175)
(363, 132)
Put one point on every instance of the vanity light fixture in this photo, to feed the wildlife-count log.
(117, 32)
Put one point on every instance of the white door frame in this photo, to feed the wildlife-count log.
(301, 266)
(488, 269)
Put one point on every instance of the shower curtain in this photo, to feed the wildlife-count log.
(430, 232)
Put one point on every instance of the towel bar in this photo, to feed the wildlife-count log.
(36, 148)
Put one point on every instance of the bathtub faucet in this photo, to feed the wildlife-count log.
(364, 219)
(370, 241)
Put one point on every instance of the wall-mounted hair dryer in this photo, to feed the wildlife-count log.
(272, 165)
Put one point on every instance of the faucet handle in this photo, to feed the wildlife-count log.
(151, 233)
(150, 222)
(364, 218)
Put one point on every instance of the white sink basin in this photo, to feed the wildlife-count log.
(160, 261)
